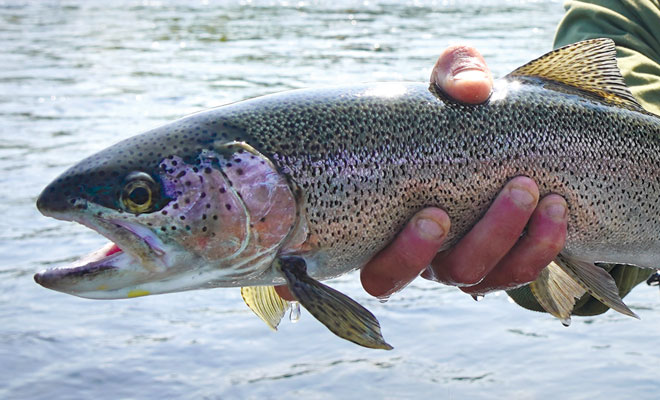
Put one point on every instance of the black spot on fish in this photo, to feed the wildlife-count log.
(228, 206)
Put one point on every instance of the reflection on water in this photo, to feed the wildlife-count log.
(78, 76)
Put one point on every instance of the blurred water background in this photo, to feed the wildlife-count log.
(77, 76)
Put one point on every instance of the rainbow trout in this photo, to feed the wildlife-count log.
(306, 185)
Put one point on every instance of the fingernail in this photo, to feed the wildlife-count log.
(556, 211)
(470, 74)
(522, 197)
(429, 229)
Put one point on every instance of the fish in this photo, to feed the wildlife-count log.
(306, 185)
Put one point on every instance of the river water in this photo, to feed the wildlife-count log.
(77, 76)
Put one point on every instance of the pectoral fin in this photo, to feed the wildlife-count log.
(338, 312)
(596, 281)
(266, 303)
(556, 292)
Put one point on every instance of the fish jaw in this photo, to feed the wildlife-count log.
(134, 256)
(93, 275)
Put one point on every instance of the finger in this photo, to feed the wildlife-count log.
(462, 73)
(476, 254)
(545, 237)
(410, 253)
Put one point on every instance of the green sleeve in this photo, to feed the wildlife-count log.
(634, 25)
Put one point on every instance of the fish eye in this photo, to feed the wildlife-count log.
(139, 193)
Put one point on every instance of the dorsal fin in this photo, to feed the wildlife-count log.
(589, 65)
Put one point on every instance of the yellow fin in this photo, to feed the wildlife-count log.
(266, 303)
(556, 292)
(589, 65)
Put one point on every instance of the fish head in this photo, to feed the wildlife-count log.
(180, 219)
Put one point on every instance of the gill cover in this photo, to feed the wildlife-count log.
(232, 208)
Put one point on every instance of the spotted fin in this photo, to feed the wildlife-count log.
(266, 303)
(589, 65)
(596, 281)
(338, 312)
(556, 292)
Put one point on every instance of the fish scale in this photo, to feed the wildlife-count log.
(458, 157)
(310, 184)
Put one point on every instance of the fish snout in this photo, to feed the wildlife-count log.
(52, 200)
(42, 278)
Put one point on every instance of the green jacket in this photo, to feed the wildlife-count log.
(634, 25)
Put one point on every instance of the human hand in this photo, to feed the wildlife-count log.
(493, 255)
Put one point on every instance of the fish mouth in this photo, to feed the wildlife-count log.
(87, 267)
(134, 255)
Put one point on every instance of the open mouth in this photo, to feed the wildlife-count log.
(86, 267)
(134, 252)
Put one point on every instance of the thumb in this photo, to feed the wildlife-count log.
(461, 72)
